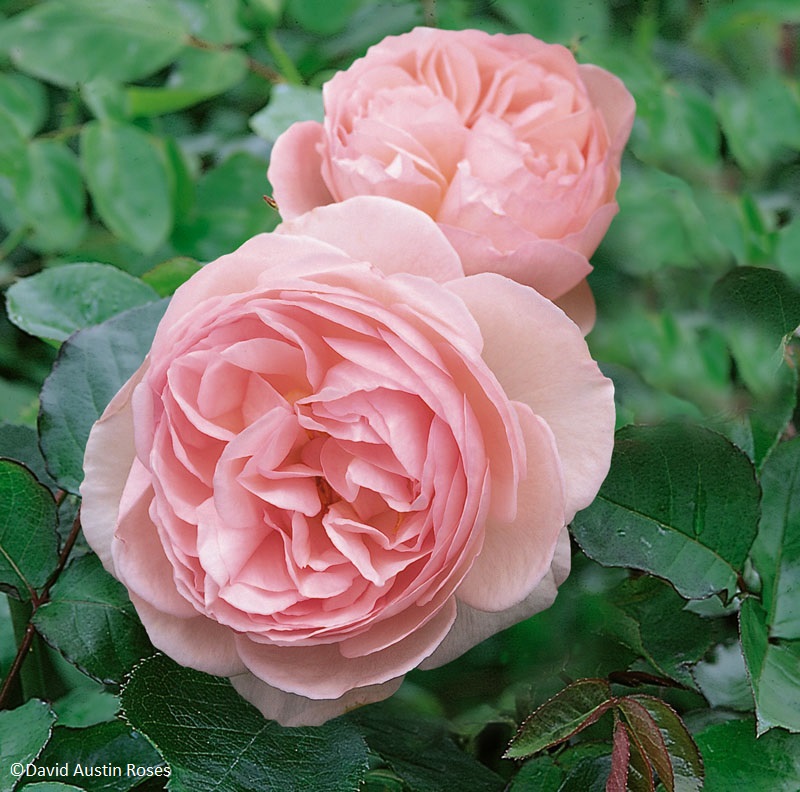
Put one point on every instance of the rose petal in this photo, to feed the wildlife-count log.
(295, 162)
(572, 395)
(367, 227)
(517, 555)
(321, 672)
(473, 626)
(198, 642)
(105, 474)
(293, 710)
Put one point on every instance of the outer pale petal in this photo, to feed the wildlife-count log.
(609, 94)
(393, 236)
(548, 266)
(578, 304)
(295, 170)
(292, 710)
(197, 642)
(551, 371)
(473, 626)
(517, 555)
(321, 672)
(107, 461)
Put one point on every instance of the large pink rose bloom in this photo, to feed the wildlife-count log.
(510, 145)
(342, 459)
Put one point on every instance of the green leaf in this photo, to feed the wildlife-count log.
(91, 367)
(23, 733)
(215, 21)
(21, 443)
(736, 760)
(722, 679)
(57, 302)
(420, 752)
(565, 22)
(25, 101)
(680, 502)
(84, 706)
(113, 747)
(52, 786)
(569, 711)
(287, 104)
(773, 667)
(168, 275)
(686, 764)
(540, 774)
(52, 198)
(28, 541)
(320, 16)
(13, 151)
(123, 41)
(213, 739)
(761, 122)
(127, 176)
(199, 75)
(776, 550)
(229, 209)
(91, 621)
(670, 638)
(758, 300)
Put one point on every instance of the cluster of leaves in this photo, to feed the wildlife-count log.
(134, 139)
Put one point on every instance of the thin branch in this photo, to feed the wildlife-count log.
(270, 75)
(16, 665)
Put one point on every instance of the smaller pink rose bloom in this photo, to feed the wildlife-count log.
(511, 146)
(343, 459)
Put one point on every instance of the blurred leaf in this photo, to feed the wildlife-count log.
(229, 209)
(123, 41)
(320, 16)
(16, 399)
(91, 621)
(562, 21)
(761, 122)
(23, 733)
(106, 99)
(776, 550)
(111, 745)
(198, 75)
(571, 710)
(677, 130)
(735, 760)
(22, 444)
(57, 302)
(24, 100)
(773, 667)
(215, 21)
(167, 276)
(787, 253)
(723, 679)
(588, 775)
(51, 194)
(28, 543)
(421, 752)
(668, 637)
(660, 224)
(679, 502)
(287, 104)
(128, 179)
(13, 151)
(761, 300)
(211, 737)
(91, 367)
